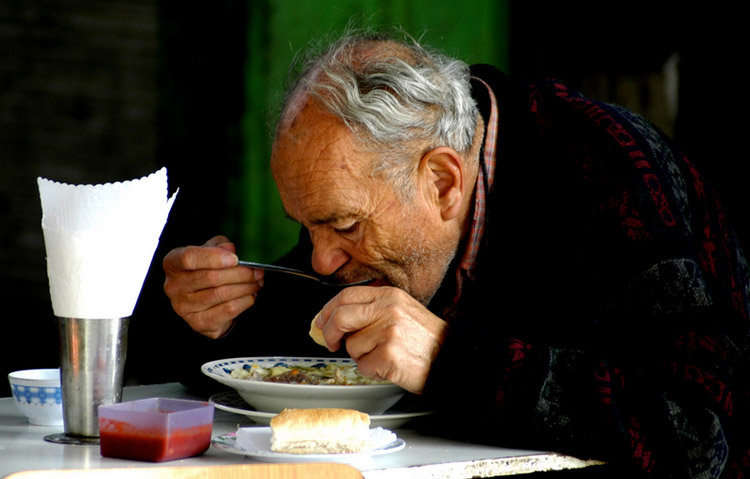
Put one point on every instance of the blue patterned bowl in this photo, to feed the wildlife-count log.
(38, 395)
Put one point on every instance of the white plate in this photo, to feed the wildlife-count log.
(261, 449)
(273, 397)
(230, 401)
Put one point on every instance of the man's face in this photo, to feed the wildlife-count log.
(360, 227)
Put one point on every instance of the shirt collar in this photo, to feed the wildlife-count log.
(485, 179)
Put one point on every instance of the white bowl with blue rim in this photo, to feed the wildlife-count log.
(274, 397)
(38, 395)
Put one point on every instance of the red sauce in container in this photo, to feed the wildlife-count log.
(155, 429)
(119, 439)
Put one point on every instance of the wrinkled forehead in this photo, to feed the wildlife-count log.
(316, 148)
(313, 135)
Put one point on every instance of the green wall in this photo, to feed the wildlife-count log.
(279, 29)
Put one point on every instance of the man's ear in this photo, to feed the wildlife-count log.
(442, 172)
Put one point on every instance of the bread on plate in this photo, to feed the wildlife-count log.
(320, 431)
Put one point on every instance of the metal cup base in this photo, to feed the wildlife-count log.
(93, 355)
(63, 438)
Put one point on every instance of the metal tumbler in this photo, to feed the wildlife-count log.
(93, 353)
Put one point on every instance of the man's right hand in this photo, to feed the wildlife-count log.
(206, 286)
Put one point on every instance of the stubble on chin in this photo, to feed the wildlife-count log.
(428, 266)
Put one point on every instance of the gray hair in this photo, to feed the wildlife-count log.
(394, 96)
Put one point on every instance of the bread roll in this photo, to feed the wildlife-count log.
(316, 333)
(320, 431)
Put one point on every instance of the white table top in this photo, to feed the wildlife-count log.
(23, 448)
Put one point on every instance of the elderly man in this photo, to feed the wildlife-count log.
(545, 268)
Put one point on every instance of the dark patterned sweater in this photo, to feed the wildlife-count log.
(610, 317)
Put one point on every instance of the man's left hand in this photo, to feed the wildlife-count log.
(387, 332)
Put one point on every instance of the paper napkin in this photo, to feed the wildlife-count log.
(100, 240)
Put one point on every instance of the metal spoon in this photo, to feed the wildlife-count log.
(299, 272)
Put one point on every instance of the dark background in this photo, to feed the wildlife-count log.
(92, 92)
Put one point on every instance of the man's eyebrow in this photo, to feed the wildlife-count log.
(332, 218)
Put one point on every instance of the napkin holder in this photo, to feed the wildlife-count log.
(93, 290)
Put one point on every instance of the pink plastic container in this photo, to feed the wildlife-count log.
(155, 429)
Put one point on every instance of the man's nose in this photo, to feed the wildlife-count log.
(327, 255)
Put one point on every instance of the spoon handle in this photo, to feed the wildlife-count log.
(281, 269)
